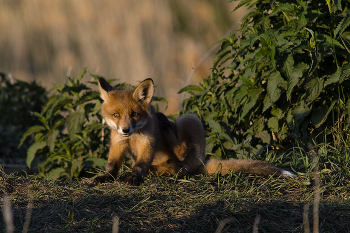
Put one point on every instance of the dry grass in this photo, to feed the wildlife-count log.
(232, 203)
(124, 39)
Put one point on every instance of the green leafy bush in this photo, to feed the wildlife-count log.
(70, 138)
(18, 100)
(284, 80)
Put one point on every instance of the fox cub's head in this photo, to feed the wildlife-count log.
(126, 111)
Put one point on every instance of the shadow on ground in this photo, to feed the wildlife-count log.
(155, 207)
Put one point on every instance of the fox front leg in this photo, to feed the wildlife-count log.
(138, 172)
(115, 160)
(142, 155)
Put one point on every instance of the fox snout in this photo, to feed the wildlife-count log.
(126, 132)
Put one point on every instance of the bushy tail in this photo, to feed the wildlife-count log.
(255, 167)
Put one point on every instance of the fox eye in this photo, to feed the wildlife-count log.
(116, 115)
(134, 114)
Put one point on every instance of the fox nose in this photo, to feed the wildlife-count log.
(126, 130)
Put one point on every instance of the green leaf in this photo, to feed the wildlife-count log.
(314, 88)
(59, 123)
(264, 136)
(348, 107)
(67, 149)
(210, 143)
(242, 92)
(228, 145)
(50, 102)
(319, 115)
(345, 38)
(314, 63)
(88, 96)
(30, 131)
(55, 173)
(39, 137)
(41, 118)
(124, 86)
(288, 66)
(293, 80)
(300, 111)
(273, 92)
(258, 125)
(51, 140)
(265, 40)
(277, 112)
(97, 107)
(191, 88)
(272, 123)
(224, 43)
(246, 80)
(75, 122)
(215, 126)
(32, 151)
(299, 69)
(335, 77)
(111, 80)
(242, 3)
(302, 21)
(226, 137)
(75, 167)
(95, 76)
(92, 126)
(330, 42)
(344, 23)
(282, 133)
(221, 54)
(58, 87)
(225, 59)
(337, 3)
(59, 104)
(253, 97)
(161, 99)
(344, 73)
(81, 75)
(95, 162)
(313, 15)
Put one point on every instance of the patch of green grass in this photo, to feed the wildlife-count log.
(166, 204)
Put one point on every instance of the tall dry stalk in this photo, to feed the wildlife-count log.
(317, 192)
(115, 228)
(8, 215)
(256, 224)
(306, 218)
(223, 223)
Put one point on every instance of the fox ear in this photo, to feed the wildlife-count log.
(104, 88)
(144, 91)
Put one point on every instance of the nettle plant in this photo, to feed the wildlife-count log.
(285, 79)
(70, 139)
(17, 100)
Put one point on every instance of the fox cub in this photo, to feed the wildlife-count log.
(157, 144)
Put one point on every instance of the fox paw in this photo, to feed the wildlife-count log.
(102, 179)
(134, 180)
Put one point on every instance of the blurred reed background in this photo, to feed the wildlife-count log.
(125, 39)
